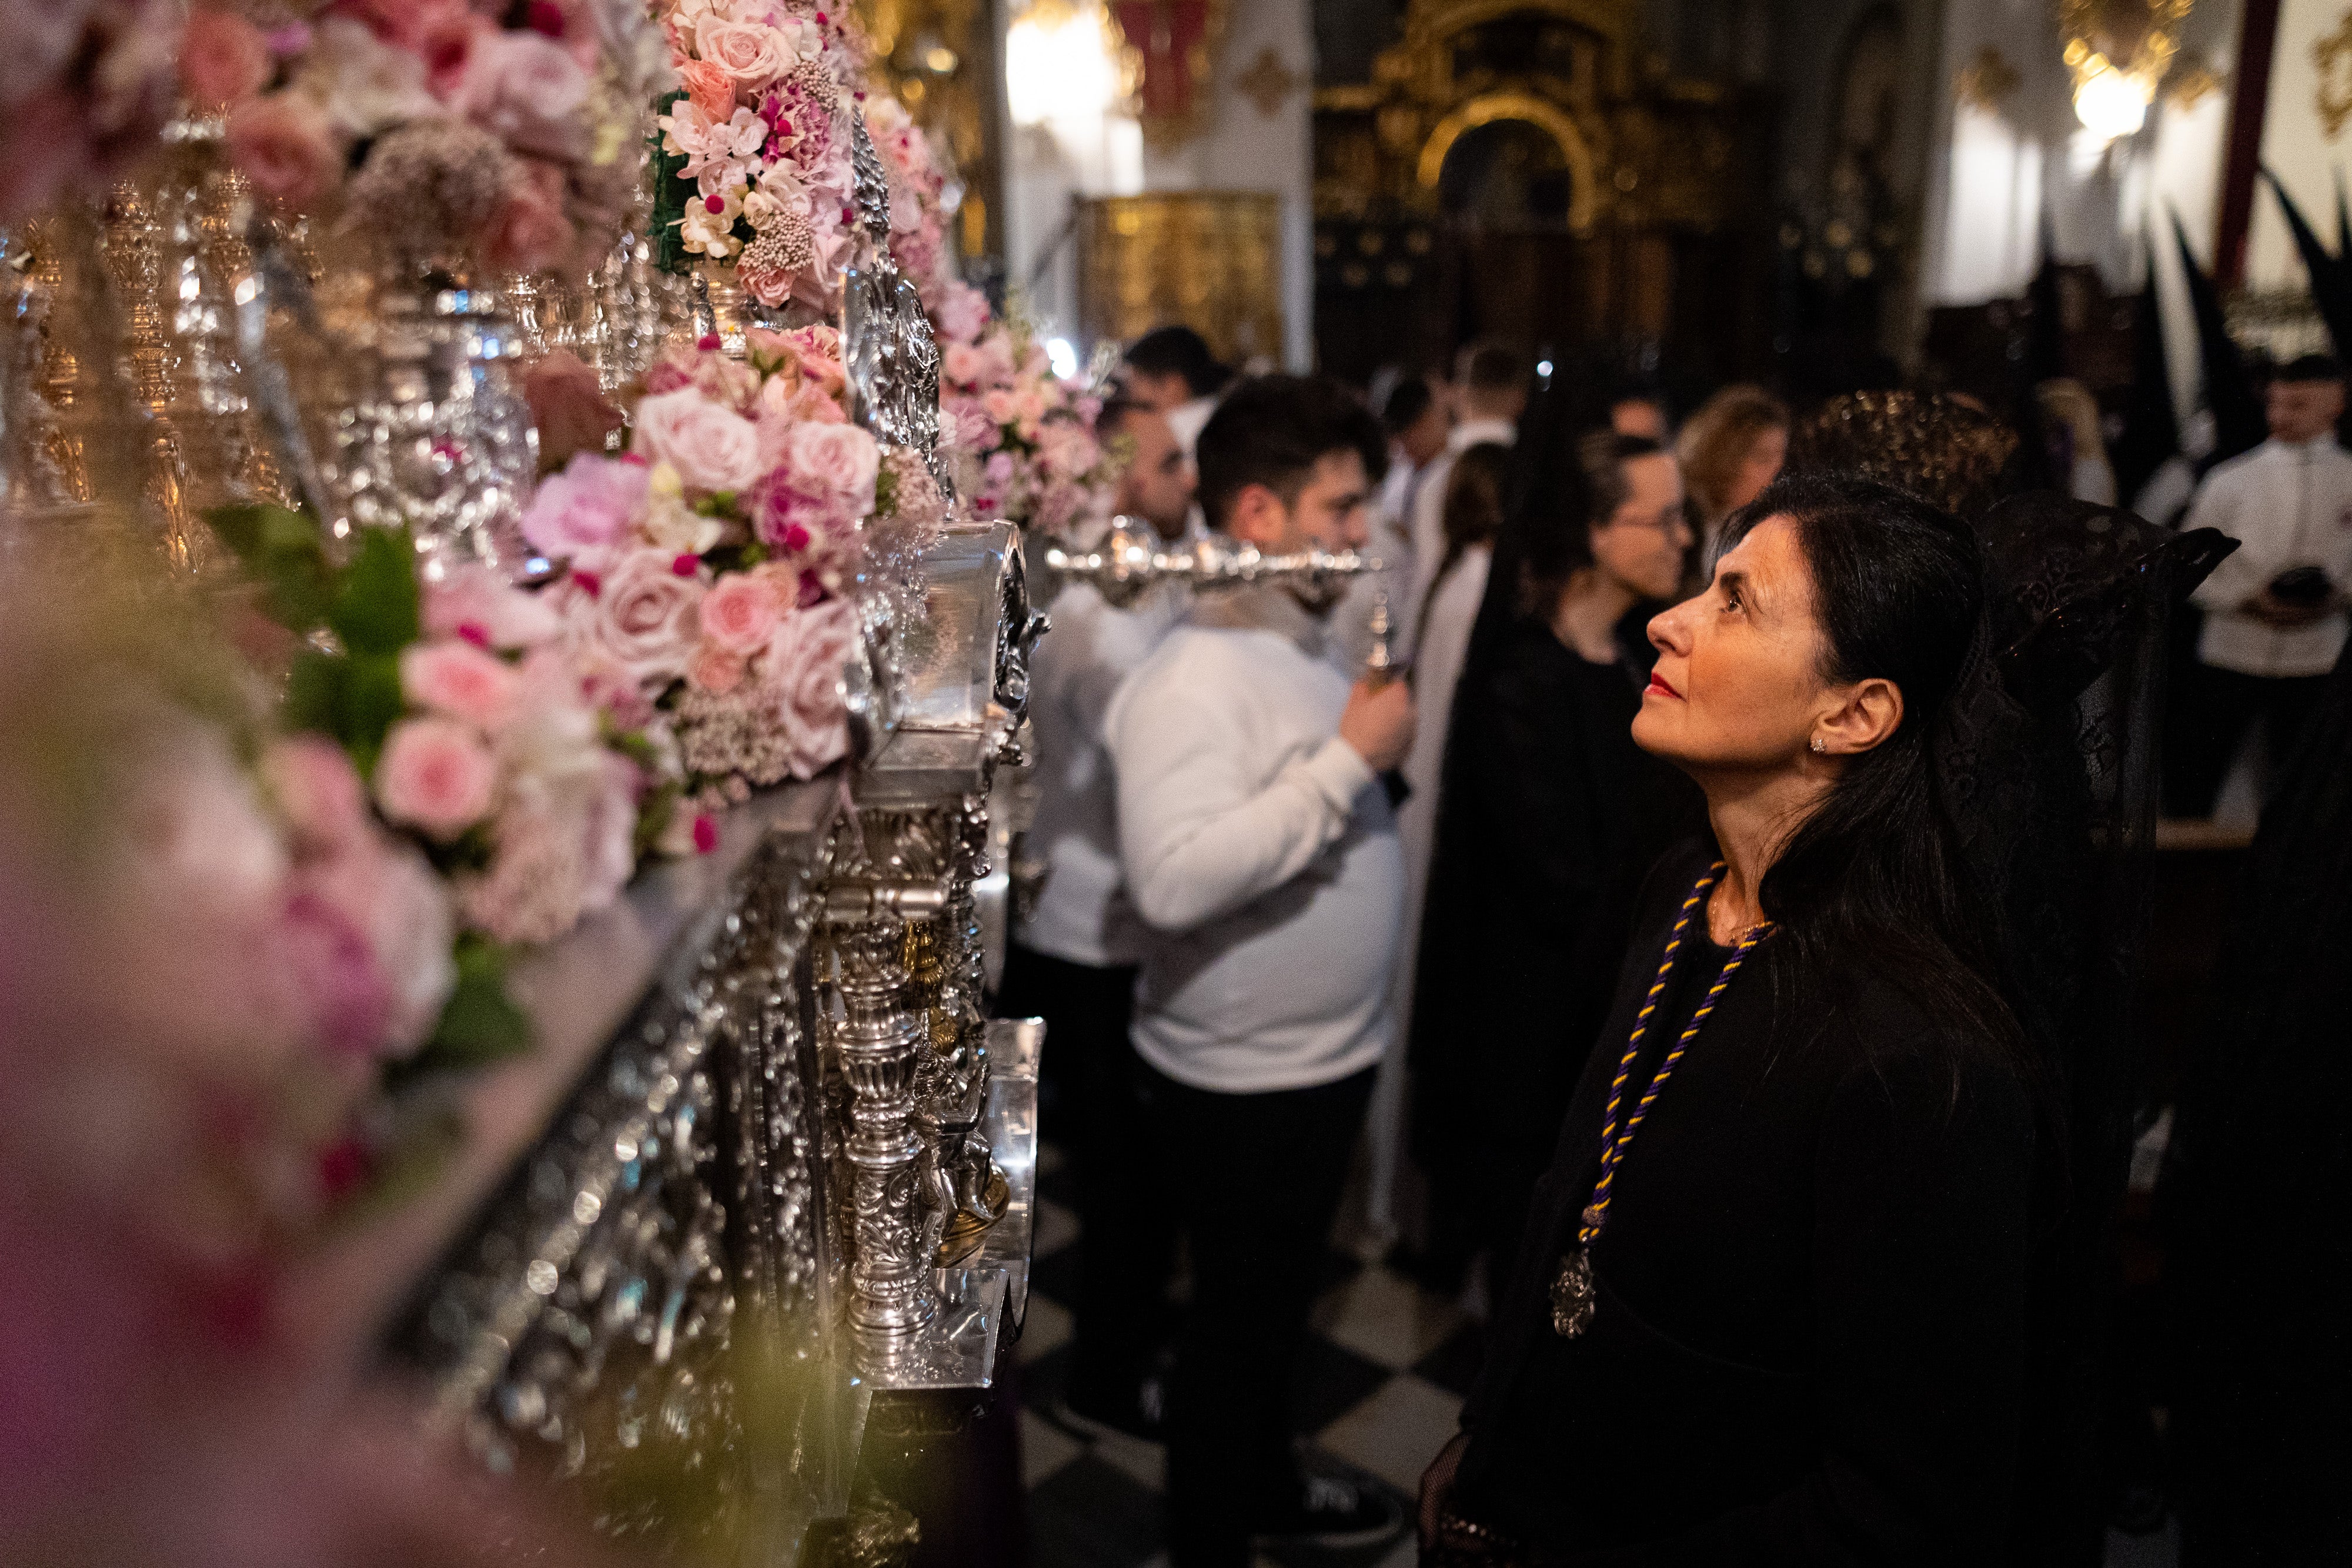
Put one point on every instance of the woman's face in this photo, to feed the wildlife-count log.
(1738, 686)
(1762, 463)
(1643, 542)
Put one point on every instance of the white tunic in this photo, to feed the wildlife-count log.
(1428, 532)
(1083, 915)
(2289, 506)
(1260, 849)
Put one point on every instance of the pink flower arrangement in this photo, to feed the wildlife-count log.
(919, 201)
(757, 177)
(1025, 437)
(434, 126)
(711, 564)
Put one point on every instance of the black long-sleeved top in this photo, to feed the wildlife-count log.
(1549, 817)
(1810, 1340)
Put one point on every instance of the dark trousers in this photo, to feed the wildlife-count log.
(1255, 1179)
(1126, 1234)
(2212, 710)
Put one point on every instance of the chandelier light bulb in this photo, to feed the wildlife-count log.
(2111, 104)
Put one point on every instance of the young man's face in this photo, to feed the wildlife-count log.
(2305, 410)
(1157, 485)
(1331, 513)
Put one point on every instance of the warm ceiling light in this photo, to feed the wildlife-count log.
(1060, 63)
(2111, 104)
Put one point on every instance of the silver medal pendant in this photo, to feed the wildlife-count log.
(1572, 1295)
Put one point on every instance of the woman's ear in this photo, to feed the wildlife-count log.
(1871, 712)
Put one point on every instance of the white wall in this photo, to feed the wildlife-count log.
(1239, 149)
(1998, 172)
(2296, 147)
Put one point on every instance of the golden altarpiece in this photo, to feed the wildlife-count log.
(1526, 169)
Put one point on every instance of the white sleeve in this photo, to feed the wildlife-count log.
(1199, 838)
(2237, 579)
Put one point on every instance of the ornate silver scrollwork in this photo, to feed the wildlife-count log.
(1132, 560)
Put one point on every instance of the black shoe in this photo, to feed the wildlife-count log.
(1142, 1415)
(1335, 1511)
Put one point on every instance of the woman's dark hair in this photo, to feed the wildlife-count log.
(1472, 512)
(1565, 493)
(1875, 873)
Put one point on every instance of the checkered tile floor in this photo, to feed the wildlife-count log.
(1386, 1369)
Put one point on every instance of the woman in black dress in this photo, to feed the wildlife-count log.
(1773, 1303)
(1549, 817)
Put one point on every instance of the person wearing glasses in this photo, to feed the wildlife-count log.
(1549, 816)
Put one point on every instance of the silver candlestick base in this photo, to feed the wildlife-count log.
(1132, 560)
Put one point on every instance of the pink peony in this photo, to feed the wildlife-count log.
(223, 58)
(320, 792)
(805, 675)
(528, 91)
(583, 512)
(481, 607)
(711, 447)
(531, 232)
(963, 312)
(754, 54)
(285, 146)
(399, 908)
(458, 679)
(568, 405)
(647, 616)
(739, 614)
(436, 776)
(327, 962)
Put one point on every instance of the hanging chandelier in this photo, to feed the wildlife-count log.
(2118, 51)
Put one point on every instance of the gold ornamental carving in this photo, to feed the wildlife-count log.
(1985, 82)
(1210, 259)
(1584, 196)
(1268, 83)
(2333, 56)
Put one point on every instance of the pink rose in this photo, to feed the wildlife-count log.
(459, 680)
(739, 614)
(804, 674)
(434, 775)
(531, 232)
(568, 405)
(836, 462)
(717, 670)
(710, 88)
(581, 514)
(320, 791)
(962, 363)
(478, 605)
(223, 58)
(712, 448)
(752, 53)
(286, 147)
(1001, 405)
(647, 616)
(528, 92)
(402, 22)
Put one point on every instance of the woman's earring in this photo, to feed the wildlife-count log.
(1818, 745)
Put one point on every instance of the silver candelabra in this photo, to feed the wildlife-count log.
(1132, 560)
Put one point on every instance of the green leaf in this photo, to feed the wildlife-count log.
(314, 693)
(671, 189)
(286, 553)
(376, 608)
(480, 1024)
(368, 706)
